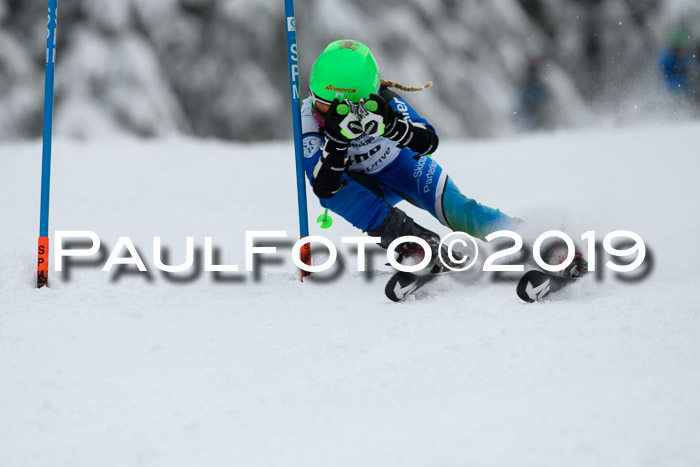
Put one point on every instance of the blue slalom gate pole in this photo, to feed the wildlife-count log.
(293, 55)
(43, 251)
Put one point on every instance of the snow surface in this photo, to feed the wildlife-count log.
(122, 370)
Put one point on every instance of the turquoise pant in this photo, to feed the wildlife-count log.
(466, 215)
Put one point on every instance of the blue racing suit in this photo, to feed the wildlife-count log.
(379, 173)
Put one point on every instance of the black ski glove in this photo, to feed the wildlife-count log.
(341, 126)
(380, 119)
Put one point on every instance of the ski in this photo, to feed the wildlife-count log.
(403, 284)
(536, 285)
(533, 286)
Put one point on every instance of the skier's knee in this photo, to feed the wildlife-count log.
(396, 225)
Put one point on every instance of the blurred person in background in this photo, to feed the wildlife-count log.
(679, 68)
(532, 109)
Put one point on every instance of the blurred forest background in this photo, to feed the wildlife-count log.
(218, 68)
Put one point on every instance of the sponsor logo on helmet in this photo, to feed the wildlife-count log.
(330, 87)
(351, 45)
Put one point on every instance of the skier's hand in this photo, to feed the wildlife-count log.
(342, 124)
(378, 118)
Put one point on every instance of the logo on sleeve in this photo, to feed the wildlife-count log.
(311, 145)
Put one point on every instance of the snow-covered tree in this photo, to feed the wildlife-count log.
(217, 68)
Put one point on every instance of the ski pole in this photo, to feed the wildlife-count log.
(42, 269)
(293, 56)
(325, 220)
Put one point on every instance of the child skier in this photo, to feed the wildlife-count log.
(366, 149)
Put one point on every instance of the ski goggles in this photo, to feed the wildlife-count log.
(319, 107)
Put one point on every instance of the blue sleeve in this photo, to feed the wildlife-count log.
(401, 106)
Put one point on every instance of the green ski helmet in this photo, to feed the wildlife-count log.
(345, 69)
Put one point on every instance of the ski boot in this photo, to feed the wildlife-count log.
(557, 253)
(397, 225)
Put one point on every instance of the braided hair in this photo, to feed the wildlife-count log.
(393, 84)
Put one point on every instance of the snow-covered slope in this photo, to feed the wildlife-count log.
(138, 369)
